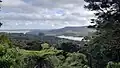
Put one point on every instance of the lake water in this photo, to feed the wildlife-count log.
(71, 38)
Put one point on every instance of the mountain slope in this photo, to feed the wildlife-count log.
(67, 31)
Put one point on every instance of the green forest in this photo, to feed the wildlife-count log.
(101, 51)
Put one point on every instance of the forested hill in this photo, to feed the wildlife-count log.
(68, 31)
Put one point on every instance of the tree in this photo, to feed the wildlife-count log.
(45, 46)
(105, 46)
(69, 47)
(113, 65)
(41, 34)
(69, 60)
(107, 13)
(34, 45)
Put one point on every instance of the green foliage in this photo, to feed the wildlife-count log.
(19, 58)
(113, 65)
(43, 57)
(41, 53)
(69, 60)
(105, 46)
(2, 50)
(69, 47)
(12, 58)
(5, 41)
(33, 42)
(45, 46)
(33, 45)
(37, 58)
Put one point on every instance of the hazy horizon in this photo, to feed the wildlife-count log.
(38, 28)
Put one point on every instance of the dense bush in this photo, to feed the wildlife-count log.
(113, 65)
(47, 57)
(69, 47)
(69, 60)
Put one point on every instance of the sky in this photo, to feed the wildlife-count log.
(43, 14)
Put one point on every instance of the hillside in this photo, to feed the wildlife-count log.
(67, 31)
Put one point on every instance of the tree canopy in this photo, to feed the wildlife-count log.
(107, 13)
(105, 46)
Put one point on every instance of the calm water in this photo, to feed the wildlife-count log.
(71, 38)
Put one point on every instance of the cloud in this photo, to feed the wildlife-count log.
(13, 3)
(44, 14)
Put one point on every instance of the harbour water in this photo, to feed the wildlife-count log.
(71, 38)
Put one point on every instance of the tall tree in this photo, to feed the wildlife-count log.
(105, 46)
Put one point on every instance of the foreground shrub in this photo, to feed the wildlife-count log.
(113, 65)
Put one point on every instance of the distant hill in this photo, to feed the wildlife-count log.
(67, 31)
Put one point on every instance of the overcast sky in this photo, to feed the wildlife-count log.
(43, 14)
